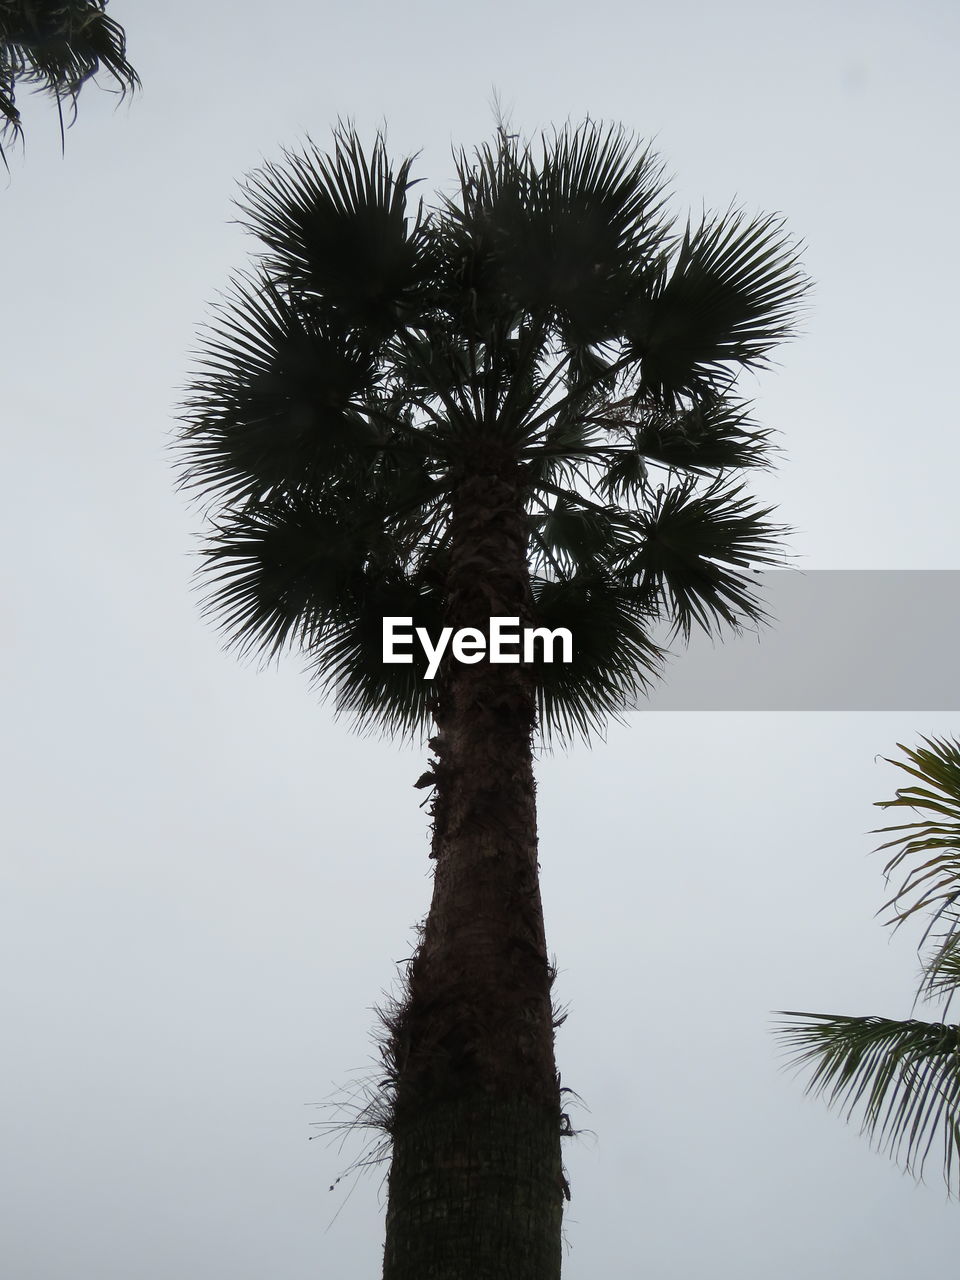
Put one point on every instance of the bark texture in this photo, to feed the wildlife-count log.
(476, 1182)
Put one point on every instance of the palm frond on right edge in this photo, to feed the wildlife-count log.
(928, 850)
(903, 1078)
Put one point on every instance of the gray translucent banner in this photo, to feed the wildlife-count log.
(838, 640)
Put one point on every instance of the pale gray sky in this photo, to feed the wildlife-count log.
(208, 882)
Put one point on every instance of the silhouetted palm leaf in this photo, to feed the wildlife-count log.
(567, 235)
(696, 552)
(56, 46)
(338, 231)
(712, 435)
(727, 299)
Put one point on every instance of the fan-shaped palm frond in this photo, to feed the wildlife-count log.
(614, 661)
(337, 229)
(379, 357)
(727, 299)
(271, 402)
(56, 46)
(696, 554)
(712, 435)
(568, 234)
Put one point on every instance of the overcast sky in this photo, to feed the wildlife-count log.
(209, 882)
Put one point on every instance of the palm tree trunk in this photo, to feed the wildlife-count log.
(476, 1182)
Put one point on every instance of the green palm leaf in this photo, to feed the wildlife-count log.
(928, 850)
(901, 1078)
(941, 969)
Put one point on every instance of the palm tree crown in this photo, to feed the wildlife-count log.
(548, 318)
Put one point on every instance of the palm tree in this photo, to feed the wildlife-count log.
(903, 1077)
(57, 46)
(520, 403)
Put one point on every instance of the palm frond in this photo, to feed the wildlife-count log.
(928, 850)
(695, 555)
(321, 576)
(280, 399)
(347, 666)
(338, 232)
(578, 244)
(902, 1078)
(56, 47)
(710, 436)
(615, 661)
(577, 533)
(941, 968)
(727, 299)
(279, 570)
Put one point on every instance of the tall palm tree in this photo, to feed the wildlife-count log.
(903, 1077)
(520, 403)
(57, 46)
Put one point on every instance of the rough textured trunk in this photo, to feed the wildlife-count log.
(476, 1183)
